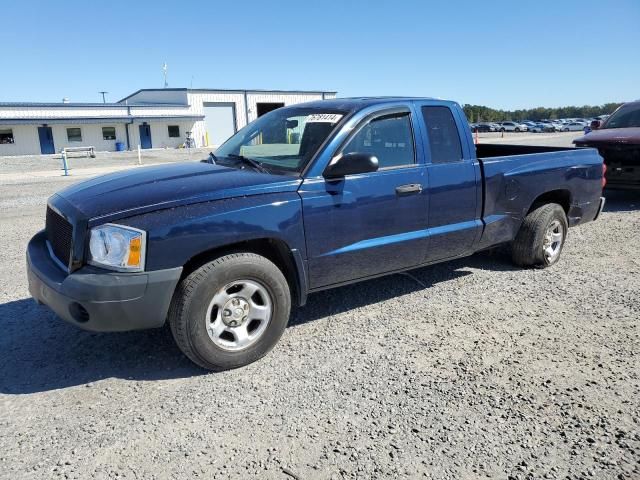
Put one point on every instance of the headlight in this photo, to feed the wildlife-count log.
(117, 247)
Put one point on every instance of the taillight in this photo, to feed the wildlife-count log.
(604, 171)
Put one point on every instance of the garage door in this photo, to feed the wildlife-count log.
(220, 122)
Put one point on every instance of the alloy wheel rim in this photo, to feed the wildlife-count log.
(238, 315)
(553, 239)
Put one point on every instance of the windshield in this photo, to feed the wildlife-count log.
(281, 141)
(627, 116)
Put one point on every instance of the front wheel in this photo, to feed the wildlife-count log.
(541, 237)
(230, 312)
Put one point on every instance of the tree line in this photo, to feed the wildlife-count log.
(480, 113)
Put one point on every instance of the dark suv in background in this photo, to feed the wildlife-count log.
(618, 141)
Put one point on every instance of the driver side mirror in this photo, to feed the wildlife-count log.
(351, 164)
(596, 124)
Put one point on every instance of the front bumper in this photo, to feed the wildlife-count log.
(96, 299)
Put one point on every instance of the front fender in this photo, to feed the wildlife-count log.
(178, 234)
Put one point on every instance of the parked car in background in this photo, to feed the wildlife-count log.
(484, 128)
(547, 126)
(573, 127)
(618, 141)
(512, 127)
(536, 127)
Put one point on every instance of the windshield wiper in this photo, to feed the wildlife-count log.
(249, 161)
(212, 159)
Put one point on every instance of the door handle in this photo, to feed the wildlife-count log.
(409, 189)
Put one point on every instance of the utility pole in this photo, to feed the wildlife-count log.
(164, 71)
(104, 100)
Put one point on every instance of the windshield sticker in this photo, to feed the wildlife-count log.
(324, 117)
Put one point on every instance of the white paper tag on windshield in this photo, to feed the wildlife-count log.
(324, 117)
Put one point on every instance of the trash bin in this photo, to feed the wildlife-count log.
(119, 147)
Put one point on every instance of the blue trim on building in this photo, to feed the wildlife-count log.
(86, 120)
(91, 105)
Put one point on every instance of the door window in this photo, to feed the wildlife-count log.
(388, 137)
(444, 139)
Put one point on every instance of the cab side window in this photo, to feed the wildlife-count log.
(388, 137)
(444, 139)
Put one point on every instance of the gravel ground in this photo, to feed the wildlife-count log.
(467, 369)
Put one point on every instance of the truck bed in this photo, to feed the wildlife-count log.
(517, 176)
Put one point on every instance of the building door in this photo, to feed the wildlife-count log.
(46, 140)
(267, 107)
(145, 136)
(220, 122)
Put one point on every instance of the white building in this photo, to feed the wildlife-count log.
(151, 118)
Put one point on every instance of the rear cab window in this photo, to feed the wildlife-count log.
(443, 137)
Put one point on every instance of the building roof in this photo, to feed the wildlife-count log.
(228, 90)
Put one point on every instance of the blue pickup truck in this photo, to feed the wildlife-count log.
(305, 198)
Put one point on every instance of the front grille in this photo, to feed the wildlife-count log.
(59, 234)
(626, 154)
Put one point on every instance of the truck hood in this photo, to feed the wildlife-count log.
(131, 192)
(627, 136)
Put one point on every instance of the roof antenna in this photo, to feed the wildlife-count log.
(164, 71)
(103, 96)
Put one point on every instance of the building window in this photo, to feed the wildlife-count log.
(6, 136)
(74, 134)
(108, 133)
(174, 131)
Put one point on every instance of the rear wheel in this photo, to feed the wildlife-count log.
(230, 312)
(541, 237)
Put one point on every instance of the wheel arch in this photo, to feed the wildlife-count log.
(276, 250)
(560, 196)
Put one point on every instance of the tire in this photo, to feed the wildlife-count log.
(536, 235)
(517, 129)
(215, 296)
